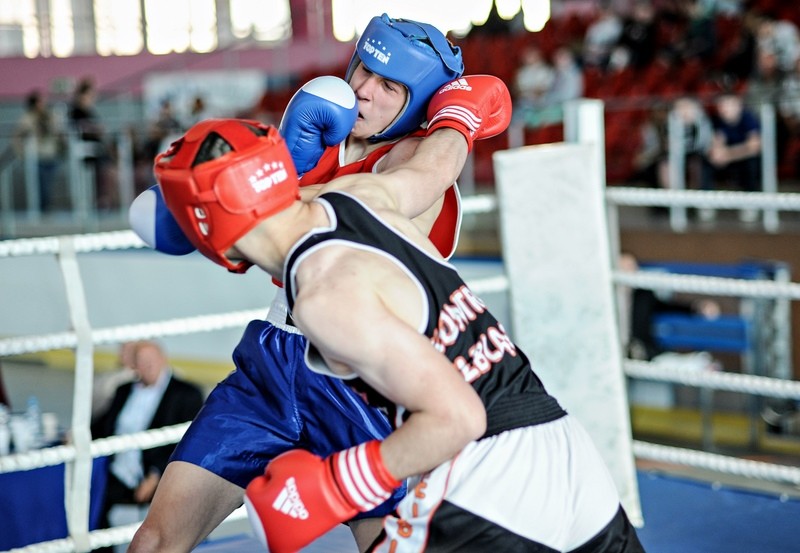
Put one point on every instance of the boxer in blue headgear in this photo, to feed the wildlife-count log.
(409, 61)
(416, 55)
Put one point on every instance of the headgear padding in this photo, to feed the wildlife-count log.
(416, 55)
(223, 177)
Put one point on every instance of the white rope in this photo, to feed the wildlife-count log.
(484, 203)
(106, 537)
(489, 285)
(732, 382)
(55, 546)
(127, 239)
(708, 285)
(702, 199)
(57, 455)
(139, 440)
(173, 327)
(84, 243)
(118, 334)
(46, 457)
(718, 463)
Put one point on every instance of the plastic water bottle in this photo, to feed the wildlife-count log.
(34, 416)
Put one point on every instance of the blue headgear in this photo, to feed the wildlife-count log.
(416, 55)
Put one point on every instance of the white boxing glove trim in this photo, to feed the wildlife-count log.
(461, 114)
(141, 218)
(333, 89)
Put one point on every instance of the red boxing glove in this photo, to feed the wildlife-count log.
(302, 496)
(478, 106)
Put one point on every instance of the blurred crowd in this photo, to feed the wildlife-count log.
(646, 48)
(738, 55)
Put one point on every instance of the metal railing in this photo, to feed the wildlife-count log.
(20, 194)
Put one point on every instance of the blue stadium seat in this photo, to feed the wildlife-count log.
(678, 331)
(691, 332)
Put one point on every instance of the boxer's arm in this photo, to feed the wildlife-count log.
(392, 357)
(467, 109)
(417, 171)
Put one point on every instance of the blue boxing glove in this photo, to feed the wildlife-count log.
(321, 114)
(154, 224)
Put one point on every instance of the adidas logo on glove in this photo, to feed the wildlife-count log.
(460, 84)
(288, 501)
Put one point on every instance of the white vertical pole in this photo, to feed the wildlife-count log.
(78, 477)
(769, 165)
(31, 170)
(677, 169)
(584, 124)
(125, 172)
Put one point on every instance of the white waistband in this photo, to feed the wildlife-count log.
(278, 311)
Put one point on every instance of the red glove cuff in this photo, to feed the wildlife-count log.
(457, 118)
(362, 476)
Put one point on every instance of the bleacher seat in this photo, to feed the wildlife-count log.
(679, 331)
(726, 333)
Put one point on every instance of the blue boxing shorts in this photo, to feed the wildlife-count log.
(272, 403)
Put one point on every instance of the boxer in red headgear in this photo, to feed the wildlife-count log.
(493, 459)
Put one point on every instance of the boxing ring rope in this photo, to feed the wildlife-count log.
(734, 382)
(626, 196)
(84, 339)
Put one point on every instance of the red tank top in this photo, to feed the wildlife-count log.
(443, 234)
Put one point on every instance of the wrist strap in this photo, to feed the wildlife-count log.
(458, 119)
(362, 477)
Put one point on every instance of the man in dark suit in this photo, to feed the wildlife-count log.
(155, 399)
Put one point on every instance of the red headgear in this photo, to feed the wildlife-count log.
(223, 177)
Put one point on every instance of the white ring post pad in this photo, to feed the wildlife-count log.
(556, 254)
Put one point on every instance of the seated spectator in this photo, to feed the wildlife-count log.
(83, 113)
(780, 37)
(532, 81)
(638, 42)
(105, 384)
(162, 130)
(198, 111)
(568, 82)
(698, 134)
(39, 124)
(766, 87)
(600, 38)
(652, 161)
(96, 154)
(567, 85)
(739, 64)
(735, 153)
(156, 399)
(698, 41)
(789, 109)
